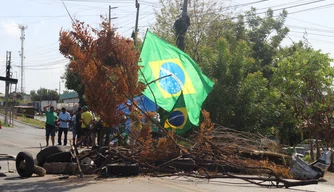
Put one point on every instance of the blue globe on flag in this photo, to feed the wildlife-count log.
(176, 118)
(173, 83)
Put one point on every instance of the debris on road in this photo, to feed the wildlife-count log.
(25, 165)
(301, 170)
(212, 152)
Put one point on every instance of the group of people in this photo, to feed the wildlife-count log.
(87, 129)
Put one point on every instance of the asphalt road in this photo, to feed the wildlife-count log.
(27, 138)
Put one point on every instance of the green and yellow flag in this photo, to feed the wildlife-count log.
(167, 71)
(178, 119)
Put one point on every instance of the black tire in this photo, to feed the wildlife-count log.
(29, 164)
(43, 154)
(60, 157)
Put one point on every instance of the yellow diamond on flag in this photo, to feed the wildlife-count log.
(173, 78)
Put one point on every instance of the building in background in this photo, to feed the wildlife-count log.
(71, 97)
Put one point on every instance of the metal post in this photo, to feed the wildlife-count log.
(181, 25)
(136, 26)
(184, 9)
(110, 18)
(8, 61)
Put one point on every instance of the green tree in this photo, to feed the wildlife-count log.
(208, 21)
(44, 94)
(73, 82)
(265, 35)
(240, 100)
(304, 78)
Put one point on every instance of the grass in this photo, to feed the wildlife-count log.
(35, 122)
(4, 125)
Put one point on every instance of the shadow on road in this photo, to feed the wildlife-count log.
(43, 184)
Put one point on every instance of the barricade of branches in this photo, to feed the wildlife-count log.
(108, 69)
(206, 159)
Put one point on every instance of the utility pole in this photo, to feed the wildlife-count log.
(181, 25)
(22, 28)
(110, 18)
(40, 100)
(135, 33)
(8, 62)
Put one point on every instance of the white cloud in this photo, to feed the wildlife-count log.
(11, 28)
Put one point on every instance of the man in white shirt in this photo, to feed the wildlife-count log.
(64, 118)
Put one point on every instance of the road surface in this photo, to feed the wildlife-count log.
(26, 138)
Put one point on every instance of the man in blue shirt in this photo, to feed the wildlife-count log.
(64, 118)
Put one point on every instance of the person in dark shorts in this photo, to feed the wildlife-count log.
(77, 126)
(50, 124)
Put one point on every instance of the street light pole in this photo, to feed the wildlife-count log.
(135, 33)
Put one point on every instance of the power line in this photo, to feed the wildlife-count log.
(314, 8)
(312, 23)
(294, 6)
(318, 40)
(280, 5)
(67, 11)
(310, 29)
(306, 33)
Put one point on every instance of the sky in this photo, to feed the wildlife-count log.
(44, 65)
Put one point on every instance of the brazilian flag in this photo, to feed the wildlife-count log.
(178, 119)
(167, 71)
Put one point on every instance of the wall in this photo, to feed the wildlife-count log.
(73, 100)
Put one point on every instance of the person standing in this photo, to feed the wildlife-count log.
(77, 126)
(64, 118)
(50, 124)
(86, 119)
(105, 132)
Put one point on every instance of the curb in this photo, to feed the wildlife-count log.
(28, 124)
(25, 123)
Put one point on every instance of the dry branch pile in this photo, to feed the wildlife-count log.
(210, 155)
(216, 150)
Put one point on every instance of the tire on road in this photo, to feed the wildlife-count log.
(60, 157)
(43, 154)
(29, 164)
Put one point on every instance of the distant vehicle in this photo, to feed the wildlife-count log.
(306, 144)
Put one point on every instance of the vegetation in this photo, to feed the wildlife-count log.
(104, 65)
(73, 82)
(4, 125)
(44, 94)
(260, 85)
(31, 121)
